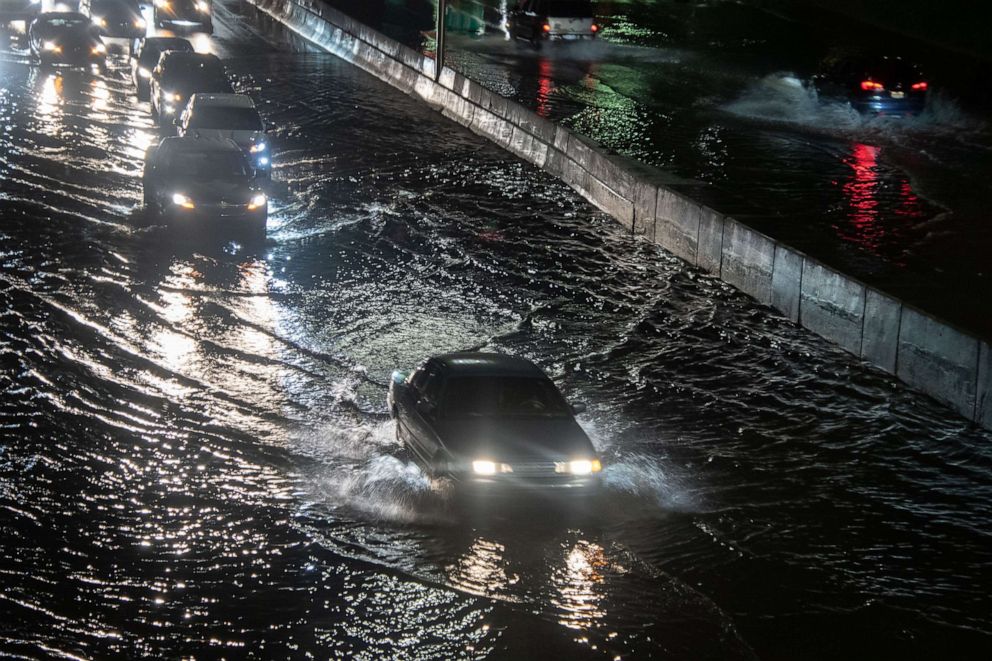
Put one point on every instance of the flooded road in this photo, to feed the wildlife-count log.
(195, 456)
(718, 95)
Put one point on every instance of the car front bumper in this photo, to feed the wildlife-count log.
(217, 215)
(909, 105)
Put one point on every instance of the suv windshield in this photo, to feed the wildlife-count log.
(570, 9)
(505, 396)
(228, 119)
(210, 166)
(68, 22)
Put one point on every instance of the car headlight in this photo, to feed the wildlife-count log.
(579, 467)
(162, 4)
(257, 202)
(51, 47)
(183, 201)
(100, 20)
(484, 467)
(257, 147)
(144, 73)
(174, 96)
(202, 7)
(99, 49)
(140, 23)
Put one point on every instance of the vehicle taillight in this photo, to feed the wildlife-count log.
(547, 27)
(594, 27)
(920, 86)
(868, 85)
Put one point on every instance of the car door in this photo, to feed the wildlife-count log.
(422, 415)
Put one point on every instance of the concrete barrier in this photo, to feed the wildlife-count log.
(952, 366)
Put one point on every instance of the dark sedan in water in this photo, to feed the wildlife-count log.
(66, 38)
(146, 56)
(119, 19)
(184, 14)
(178, 76)
(885, 85)
(492, 421)
(194, 184)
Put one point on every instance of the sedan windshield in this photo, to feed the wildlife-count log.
(67, 22)
(470, 397)
(226, 119)
(211, 166)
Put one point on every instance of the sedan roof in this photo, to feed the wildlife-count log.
(476, 363)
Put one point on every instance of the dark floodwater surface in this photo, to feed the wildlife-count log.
(718, 95)
(195, 458)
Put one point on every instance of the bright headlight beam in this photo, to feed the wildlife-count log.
(484, 467)
(258, 147)
(183, 201)
(257, 202)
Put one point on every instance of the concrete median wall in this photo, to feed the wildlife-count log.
(926, 353)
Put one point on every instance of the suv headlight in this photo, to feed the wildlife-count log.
(100, 20)
(183, 201)
(258, 147)
(257, 202)
(202, 7)
(579, 466)
(51, 47)
(484, 467)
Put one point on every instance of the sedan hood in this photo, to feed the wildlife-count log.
(231, 191)
(516, 439)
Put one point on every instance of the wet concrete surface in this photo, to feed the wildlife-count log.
(195, 456)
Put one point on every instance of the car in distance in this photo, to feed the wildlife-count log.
(490, 420)
(193, 184)
(178, 76)
(180, 14)
(145, 56)
(231, 116)
(886, 85)
(118, 19)
(538, 21)
(19, 10)
(66, 38)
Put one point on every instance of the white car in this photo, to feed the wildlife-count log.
(232, 116)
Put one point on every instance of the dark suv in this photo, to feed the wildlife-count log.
(538, 21)
(492, 421)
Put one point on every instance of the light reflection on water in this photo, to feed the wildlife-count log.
(194, 448)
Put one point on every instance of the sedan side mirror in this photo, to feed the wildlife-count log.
(578, 407)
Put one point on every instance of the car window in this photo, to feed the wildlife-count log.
(228, 119)
(432, 386)
(487, 396)
(569, 9)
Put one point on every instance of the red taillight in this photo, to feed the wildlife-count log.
(547, 27)
(920, 86)
(594, 27)
(869, 85)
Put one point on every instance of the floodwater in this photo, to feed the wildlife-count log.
(717, 94)
(195, 456)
